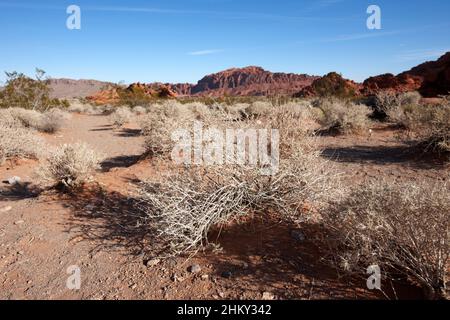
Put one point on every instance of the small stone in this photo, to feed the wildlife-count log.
(6, 209)
(267, 296)
(244, 265)
(19, 222)
(13, 180)
(221, 294)
(194, 268)
(227, 274)
(152, 262)
(133, 286)
(205, 277)
(298, 235)
(20, 253)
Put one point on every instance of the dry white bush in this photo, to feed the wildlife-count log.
(158, 125)
(200, 111)
(183, 207)
(121, 116)
(428, 126)
(77, 106)
(28, 118)
(70, 165)
(258, 109)
(138, 110)
(17, 141)
(235, 111)
(388, 103)
(49, 121)
(53, 120)
(343, 116)
(403, 228)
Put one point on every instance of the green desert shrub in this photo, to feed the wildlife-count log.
(27, 93)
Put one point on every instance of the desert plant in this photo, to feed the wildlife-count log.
(342, 116)
(403, 228)
(138, 110)
(70, 165)
(24, 92)
(387, 103)
(53, 120)
(258, 109)
(16, 141)
(121, 116)
(182, 208)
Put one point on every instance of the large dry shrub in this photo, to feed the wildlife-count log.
(70, 165)
(403, 228)
(342, 116)
(184, 206)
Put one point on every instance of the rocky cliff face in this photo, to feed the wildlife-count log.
(430, 79)
(254, 81)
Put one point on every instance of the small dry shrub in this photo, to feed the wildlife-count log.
(403, 228)
(70, 165)
(160, 122)
(28, 118)
(121, 116)
(428, 126)
(138, 110)
(53, 120)
(49, 121)
(258, 109)
(342, 116)
(77, 106)
(387, 102)
(17, 141)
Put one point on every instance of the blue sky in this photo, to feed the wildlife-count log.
(183, 40)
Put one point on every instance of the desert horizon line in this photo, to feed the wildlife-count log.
(225, 70)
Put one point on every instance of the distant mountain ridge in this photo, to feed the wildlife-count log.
(69, 88)
(430, 79)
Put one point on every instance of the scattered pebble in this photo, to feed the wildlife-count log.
(13, 180)
(152, 262)
(221, 294)
(6, 209)
(19, 222)
(267, 296)
(194, 268)
(205, 277)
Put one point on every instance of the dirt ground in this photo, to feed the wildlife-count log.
(41, 235)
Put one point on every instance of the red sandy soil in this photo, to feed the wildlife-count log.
(41, 236)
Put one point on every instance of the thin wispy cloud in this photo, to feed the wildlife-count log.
(361, 36)
(378, 33)
(422, 54)
(205, 52)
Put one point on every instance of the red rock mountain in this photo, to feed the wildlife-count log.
(430, 79)
(251, 81)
